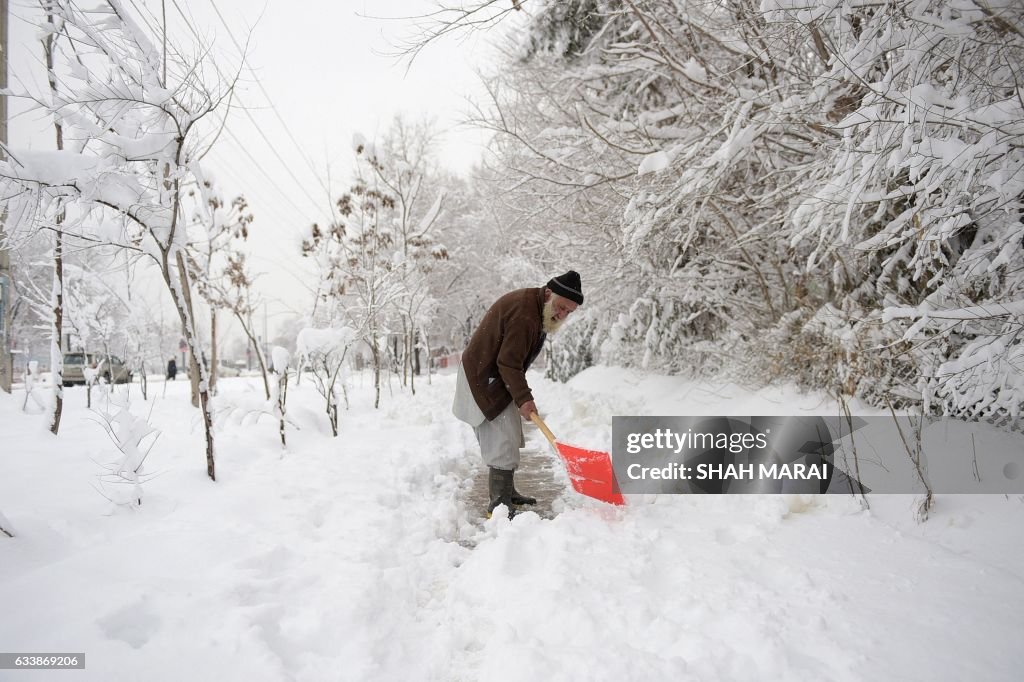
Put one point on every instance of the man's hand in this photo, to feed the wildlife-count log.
(527, 408)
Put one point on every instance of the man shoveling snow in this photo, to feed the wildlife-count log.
(491, 392)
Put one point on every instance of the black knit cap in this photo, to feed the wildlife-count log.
(568, 286)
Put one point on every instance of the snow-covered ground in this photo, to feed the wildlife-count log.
(356, 558)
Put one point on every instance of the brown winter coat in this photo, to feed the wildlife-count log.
(508, 339)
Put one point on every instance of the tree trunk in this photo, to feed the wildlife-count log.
(143, 380)
(412, 358)
(375, 351)
(426, 344)
(194, 377)
(332, 405)
(405, 353)
(417, 368)
(246, 323)
(57, 293)
(185, 311)
(282, 397)
(57, 329)
(183, 304)
(213, 350)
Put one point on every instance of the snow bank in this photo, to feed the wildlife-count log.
(357, 557)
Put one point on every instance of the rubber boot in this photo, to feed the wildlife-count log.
(518, 498)
(499, 487)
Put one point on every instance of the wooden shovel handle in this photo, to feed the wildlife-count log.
(535, 418)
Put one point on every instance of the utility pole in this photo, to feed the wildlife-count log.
(6, 364)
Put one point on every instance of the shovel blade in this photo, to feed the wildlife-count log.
(590, 472)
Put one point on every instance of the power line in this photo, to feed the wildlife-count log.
(226, 169)
(249, 115)
(270, 101)
(277, 154)
(256, 163)
(266, 204)
(278, 218)
(276, 215)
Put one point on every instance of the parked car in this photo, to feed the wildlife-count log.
(111, 369)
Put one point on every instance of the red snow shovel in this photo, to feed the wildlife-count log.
(589, 470)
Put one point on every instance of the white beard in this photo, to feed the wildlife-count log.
(551, 325)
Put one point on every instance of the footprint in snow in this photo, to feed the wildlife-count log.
(270, 563)
(134, 624)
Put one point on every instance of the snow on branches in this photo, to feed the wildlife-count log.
(140, 118)
(775, 184)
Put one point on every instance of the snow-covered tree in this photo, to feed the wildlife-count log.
(232, 288)
(827, 193)
(359, 282)
(210, 251)
(139, 116)
(57, 289)
(923, 189)
(404, 163)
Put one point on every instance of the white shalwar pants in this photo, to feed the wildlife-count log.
(501, 438)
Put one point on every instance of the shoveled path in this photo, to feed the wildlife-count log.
(535, 477)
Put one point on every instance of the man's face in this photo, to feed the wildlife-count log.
(556, 309)
(562, 307)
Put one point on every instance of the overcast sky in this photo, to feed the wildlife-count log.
(322, 64)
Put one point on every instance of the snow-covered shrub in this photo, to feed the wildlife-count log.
(246, 408)
(984, 381)
(279, 389)
(924, 188)
(571, 350)
(134, 438)
(31, 390)
(838, 351)
(793, 352)
(323, 352)
(664, 334)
